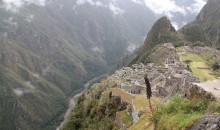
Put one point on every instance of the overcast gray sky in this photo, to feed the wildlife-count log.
(160, 7)
(157, 6)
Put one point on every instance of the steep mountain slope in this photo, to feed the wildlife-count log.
(205, 28)
(120, 100)
(161, 32)
(48, 50)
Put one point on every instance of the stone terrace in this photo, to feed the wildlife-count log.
(165, 81)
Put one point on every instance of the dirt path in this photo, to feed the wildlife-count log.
(72, 102)
(211, 86)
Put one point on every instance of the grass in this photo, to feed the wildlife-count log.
(144, 123)
(157, 55)
(126, 97)
(192, 57)
(141, 101)
(180, 113)
(125, 118)
(202, 60)
(202, 74)
(178, 121)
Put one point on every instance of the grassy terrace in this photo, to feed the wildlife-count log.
(144, 123)
(126, 97)
(141, 101)
(125, 117)
(200, 64)
(180, 113)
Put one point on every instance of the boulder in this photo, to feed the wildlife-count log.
(207, 123)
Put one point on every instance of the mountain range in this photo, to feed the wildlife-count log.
(49, 49)
(181, 67)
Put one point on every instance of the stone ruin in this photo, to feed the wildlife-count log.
(165, 81)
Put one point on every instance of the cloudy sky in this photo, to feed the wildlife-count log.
(14, 5)
(159, 7)
(167, 7)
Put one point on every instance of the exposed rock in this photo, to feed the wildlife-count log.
(198, 92)
(207, 123)
(162, 92)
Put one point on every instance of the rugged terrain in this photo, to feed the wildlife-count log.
(183, 69)
(205, 28)
(49, 49)
(120, 100)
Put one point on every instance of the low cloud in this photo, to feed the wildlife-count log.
(167, 7)
(131, 47)
(30, 18)
(175, 25)
(30, 85)
(196, 6)
(111, 5)
(115, 10)
(11, 23)
(137, 1)
(14, 5)
(97, 50)
(30, 88)
(20, 91)
(91, 2)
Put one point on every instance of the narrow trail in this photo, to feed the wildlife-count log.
(73, 100)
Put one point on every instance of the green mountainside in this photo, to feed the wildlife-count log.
(205, 28)
(161, 32)
(47, 53)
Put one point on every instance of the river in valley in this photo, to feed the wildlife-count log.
(73, 100)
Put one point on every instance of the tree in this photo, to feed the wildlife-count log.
(188, 64)
(215, 66)
(148, 90)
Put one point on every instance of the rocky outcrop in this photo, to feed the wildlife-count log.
(197, 92)
(207, 123)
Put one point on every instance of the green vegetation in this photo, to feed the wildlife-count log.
(156, 55)
(180, 113)
(125, 117)
(126, 97)
(215, 66)
(204, 30)
(200, 64)
(161, 32)
(144, 123)
(194, 33)
(95, 110)
(140, 101)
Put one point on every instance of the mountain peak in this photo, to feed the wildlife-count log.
(159, 33)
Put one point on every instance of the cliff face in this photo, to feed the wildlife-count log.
(205, 28)
(210, 12)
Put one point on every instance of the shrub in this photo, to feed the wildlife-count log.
(215, 66)
(178, 113)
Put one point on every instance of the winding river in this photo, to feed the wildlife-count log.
(73, 100)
